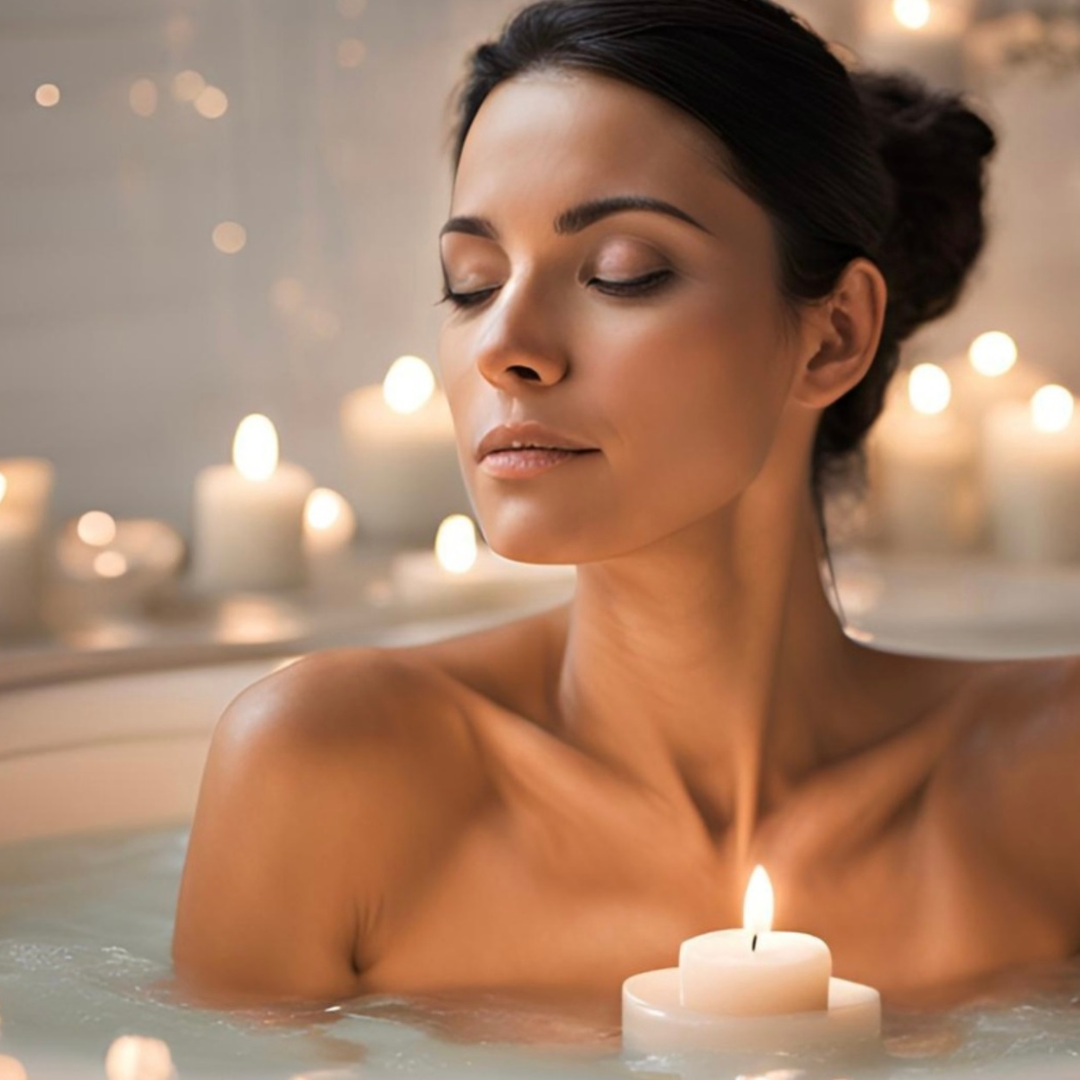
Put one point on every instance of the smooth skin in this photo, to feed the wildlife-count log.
(554, 804)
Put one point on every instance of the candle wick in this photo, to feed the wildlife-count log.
(753, 944)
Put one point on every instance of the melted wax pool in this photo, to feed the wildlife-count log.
(85, 930)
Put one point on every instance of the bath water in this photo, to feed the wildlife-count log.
(85, 930)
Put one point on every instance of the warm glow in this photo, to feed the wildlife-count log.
(136, 1057)
(757, 912)
(47, 95)
(110, 564)
(455, 544)
(11, 1068)
(351, 52)
(96, 528)
(255, 447)
(329, 521)
(408, 385)
(187, 85)
(1052, 408)
(143, 97)
(229, 237)
(914, 14)
(211, 103)
(929, 389)
(3, 486)
(992, 353)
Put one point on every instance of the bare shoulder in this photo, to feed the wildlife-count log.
(329, 791)
(1007, 786)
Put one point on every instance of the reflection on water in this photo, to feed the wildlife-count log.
(85, 930)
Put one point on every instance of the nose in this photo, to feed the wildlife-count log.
(520, 341)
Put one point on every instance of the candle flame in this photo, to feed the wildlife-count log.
(1052, 408)
(929, 389)
(139, 1057)
(913, 14)
(455, 544)
(758, 902)
(3, 486)
(408, 385)
(255, 447)
(992, 353)
(96, 528)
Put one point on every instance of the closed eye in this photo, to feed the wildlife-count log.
(638, 287)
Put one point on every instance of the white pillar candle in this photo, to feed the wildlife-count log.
(1031, 463)
(249, 516)
(28, 488)
(923, 467)
(748, 990)
(459, 570)
(404, 471)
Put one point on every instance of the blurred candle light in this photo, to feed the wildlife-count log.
(249, 516)
(329, 522)
(96, 528)
(913, 14)
(923, 467)
(229, 237)
(47, 95)
(926, 36)
(143, 97)
(187, 85)
(1031, 463)
(211, 103)
(11, 1068)
(26, 486)
(404, 476)
(458, 571)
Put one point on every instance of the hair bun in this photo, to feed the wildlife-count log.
(933, 146)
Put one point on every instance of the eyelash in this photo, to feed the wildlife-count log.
(639, 287)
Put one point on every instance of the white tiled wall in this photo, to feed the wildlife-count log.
(130, 347)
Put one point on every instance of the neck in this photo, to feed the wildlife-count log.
(711, 664)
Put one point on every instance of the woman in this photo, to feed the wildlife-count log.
(685, 245)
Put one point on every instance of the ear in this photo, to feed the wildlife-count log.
(841, 335)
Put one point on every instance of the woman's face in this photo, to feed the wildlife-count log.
(680, 386)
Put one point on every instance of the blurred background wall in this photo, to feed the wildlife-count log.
(132, 341)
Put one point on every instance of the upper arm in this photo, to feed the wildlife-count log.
(317, 805)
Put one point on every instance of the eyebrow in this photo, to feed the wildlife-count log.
(577, 217)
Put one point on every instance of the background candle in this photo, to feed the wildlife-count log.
(1031, 464)
(249, 515)
(20, 568)
(923, 468)
(405, 476)
(460, 570)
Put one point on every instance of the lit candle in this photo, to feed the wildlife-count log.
(925, 36)
(461, 570)
(20, 566)
(753, 989)
(988, 373)
(329, 523)
(249, 515)
(403, 458)
(923, 468)
(1031, 463)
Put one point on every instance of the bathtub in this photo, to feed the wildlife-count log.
(126, 752)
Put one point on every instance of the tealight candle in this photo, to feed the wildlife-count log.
(461, 570)
(402, 453)
(753, 989)
(249, 515)
(923, 465)
(1031, 462)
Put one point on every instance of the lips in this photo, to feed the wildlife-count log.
(528, 435)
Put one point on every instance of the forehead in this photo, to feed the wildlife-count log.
(543, 141)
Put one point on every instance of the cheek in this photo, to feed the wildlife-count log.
(692, 397)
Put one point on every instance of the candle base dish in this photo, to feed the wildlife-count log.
(654, 1021)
